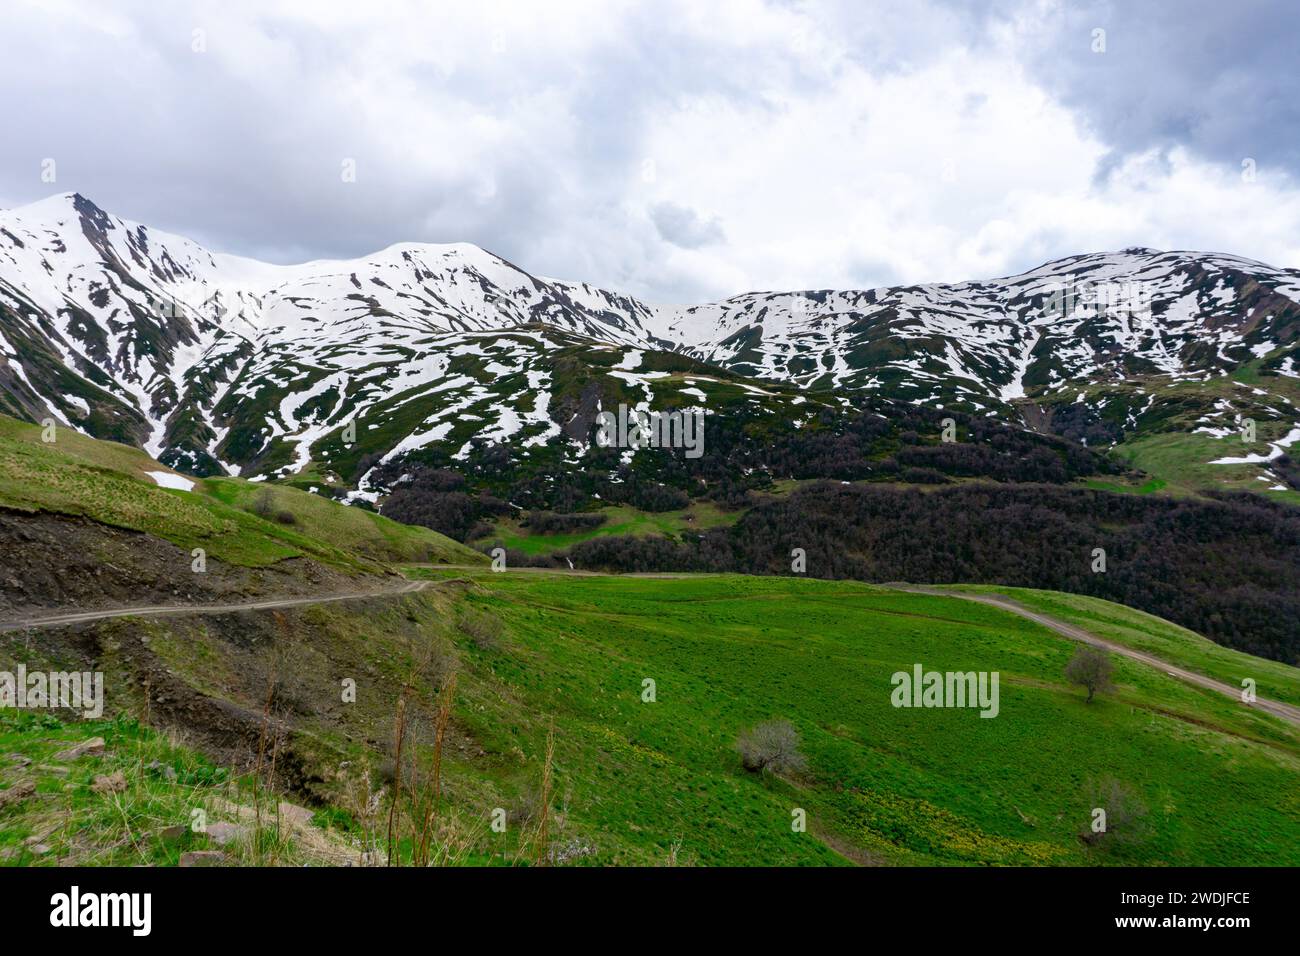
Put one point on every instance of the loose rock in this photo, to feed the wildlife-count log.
(223, 833)
(95, 745)
(298, 816)
(202, 858)
(114, 783)
(17, 793)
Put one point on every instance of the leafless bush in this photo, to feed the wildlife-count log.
(264, 503)
(1125, 815)
(771, 747)
(482, 628)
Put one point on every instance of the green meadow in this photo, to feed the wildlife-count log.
(1154, 635)
(619, 520)
(649, 774)
(883, 784)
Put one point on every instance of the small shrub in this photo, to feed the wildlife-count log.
(263, 504)
(1125, 819)
(482, 628)
(771, 747)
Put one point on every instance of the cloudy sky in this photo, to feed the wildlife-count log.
(680, 151)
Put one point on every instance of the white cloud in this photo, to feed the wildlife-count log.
(674, 150)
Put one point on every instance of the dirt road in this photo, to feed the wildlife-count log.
(171, 610)
(1286, 711)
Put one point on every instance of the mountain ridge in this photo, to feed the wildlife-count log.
(222, 364)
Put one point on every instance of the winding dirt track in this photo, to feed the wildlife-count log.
(1285, 711)
(171, 610)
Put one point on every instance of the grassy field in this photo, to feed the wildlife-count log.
(1165, 423)
(884, 784)
(1147, 487)
(619, 520)
(1181, 461)
(107, 482)
(1155, 635)
(167, 800)
(338, 526)
(659, 781)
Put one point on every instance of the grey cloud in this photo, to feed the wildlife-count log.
(1216, 78)
(240, 147)
(683, 227)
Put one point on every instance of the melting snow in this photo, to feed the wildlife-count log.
(166, 479)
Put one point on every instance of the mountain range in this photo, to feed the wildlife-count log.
(217, 364)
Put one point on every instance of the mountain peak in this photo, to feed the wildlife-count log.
(422, 330)
(54, 204)
(58, 208)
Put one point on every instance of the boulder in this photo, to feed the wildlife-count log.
(17, 793)
(295, 815)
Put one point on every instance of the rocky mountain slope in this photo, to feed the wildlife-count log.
(216, 364)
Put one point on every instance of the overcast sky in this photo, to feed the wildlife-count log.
(678, 151)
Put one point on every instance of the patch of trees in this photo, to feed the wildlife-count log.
(522, 559)
(1228, 567)
(645, 494)
(1288, 469)
(436, 498)
(1080, 422)
(627, 553)
(923, 476)
(1034, 464)
(747, 451)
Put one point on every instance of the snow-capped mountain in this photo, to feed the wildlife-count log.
(216, 363)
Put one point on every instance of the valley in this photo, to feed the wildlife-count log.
(366, 586)
(587, 719)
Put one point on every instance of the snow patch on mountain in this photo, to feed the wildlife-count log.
(216, 358)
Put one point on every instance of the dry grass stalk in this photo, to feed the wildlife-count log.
(543, 824)
(433, 790)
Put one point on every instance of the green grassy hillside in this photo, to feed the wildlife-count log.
(635, 777)
(884, 784)
(637, 781)
(146, 818)
(1173, 430)
(1155, 635)
(110, 483)
(619, 520)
